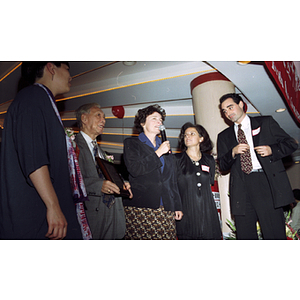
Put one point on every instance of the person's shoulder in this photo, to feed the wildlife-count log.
(132, 139)
(208, 157)
(261, 118)
(31, 97)
(226, 130)
(31, 94)
(78, 137)
(178, 155)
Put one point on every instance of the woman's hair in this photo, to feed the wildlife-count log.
(84, 109)
(32, 70)
(142, 114)
(205, 146)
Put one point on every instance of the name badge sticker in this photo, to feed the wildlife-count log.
(255, 131)
(205, 168)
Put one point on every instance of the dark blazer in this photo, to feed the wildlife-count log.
(265, 131)
(148, 183)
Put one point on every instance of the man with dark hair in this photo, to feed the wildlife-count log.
(252, 150)
(37, 200)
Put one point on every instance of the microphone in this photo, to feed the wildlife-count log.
(162, 129)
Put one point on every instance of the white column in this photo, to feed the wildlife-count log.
(206, 92)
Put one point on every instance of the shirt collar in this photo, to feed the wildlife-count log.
(144, 139)
(87, 137)
(245, 123)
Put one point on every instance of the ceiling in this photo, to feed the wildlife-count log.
(137, 84)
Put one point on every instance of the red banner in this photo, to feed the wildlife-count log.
(288, 81)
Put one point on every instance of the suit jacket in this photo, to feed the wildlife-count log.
(265, 131)
(148, 183)
(105, 223)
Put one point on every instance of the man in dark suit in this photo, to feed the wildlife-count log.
(105, 212)
(259, 186)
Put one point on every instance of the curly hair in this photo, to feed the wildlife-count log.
(206, 146)
(143, 113)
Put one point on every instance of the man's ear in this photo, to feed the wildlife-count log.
(50, 68)
(241, 105)
(83, 118)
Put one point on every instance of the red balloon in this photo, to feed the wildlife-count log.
(245, 107)
(118, 111)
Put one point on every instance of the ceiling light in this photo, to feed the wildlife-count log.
(279, 110)
(129, 63)
(244, 62)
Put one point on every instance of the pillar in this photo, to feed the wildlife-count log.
(206, 92)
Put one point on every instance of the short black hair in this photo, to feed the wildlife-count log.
(235, 97)
(206, 146)
(143, 113)
(32, 70)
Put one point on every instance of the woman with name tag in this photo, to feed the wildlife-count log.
(195, 174)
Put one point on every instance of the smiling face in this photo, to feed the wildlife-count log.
(152, 123)
(93, 123)
(232, 111)
(192, 137)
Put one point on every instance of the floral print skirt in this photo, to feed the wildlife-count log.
(149, 224)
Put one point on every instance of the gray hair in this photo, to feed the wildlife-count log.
(84, 109)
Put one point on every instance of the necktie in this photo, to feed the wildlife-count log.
(246, 163)
(108, 200)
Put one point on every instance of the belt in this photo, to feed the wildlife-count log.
(257, 171)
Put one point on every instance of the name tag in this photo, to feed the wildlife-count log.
(255, 131)
(205, 168)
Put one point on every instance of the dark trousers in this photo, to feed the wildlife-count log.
(259, 207)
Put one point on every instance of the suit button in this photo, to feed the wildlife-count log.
(97, 208)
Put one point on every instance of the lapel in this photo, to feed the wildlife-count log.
(149, 150)
(231, 137)
(83, 146)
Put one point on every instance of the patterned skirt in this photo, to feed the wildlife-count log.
(149, 224)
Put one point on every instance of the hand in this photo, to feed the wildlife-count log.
(57, 224)
(127, 187)
(178, 215)
(110, 188)
(263, 150)
(239, 149)
(163, 148)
